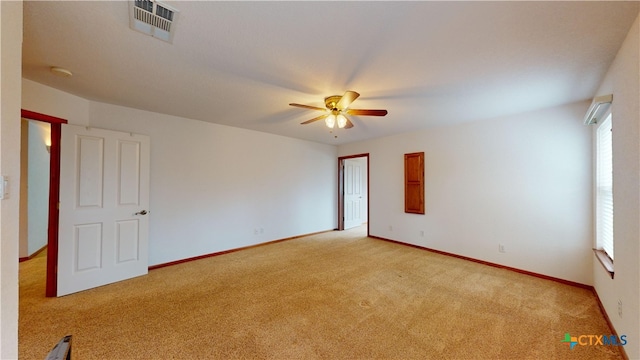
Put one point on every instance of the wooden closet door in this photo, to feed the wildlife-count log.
(414, 183)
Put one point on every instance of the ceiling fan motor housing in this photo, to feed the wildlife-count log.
(331, 101)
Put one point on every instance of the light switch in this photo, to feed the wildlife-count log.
(4, 187)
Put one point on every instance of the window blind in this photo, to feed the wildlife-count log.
(604, 187)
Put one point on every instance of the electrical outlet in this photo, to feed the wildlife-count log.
(620, 308)
(501, 248)
(261, 231)
(255, 231)
(421, 233)
(390, 228)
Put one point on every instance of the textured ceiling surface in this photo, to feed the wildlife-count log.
(241, 63)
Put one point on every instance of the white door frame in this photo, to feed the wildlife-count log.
(354, 196)
(341, 189)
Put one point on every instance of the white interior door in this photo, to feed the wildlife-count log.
(104, 202)
(352, 193)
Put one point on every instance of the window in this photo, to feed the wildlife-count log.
(604, 187)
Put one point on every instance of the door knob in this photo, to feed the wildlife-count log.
(143, 212)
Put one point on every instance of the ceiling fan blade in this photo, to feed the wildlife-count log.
(347, 99)
(349, 124)
(314, 119)
(366, 112)
(308, 107)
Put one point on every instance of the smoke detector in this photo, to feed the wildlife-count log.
(62, 72)
(153, 18)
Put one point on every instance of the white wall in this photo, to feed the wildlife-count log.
(10, 73)
(49, 101)
(38, 185)
(23, 248)
(622, 80)
(212, 186)
(522, 181)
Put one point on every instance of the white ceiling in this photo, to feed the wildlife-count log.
(242, 63)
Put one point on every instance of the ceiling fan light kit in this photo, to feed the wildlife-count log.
(342, 121)
(330, 121)
(336, 109)
(335, 119)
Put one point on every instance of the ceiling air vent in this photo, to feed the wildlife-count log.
(153, 18)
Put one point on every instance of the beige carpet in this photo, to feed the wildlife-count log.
(337, 295)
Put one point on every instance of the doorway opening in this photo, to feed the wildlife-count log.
(34, 187)
(55, 125)
(353, 191)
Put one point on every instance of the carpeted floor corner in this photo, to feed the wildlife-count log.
(336, 295)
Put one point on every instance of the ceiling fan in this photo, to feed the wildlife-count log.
(337, 107)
